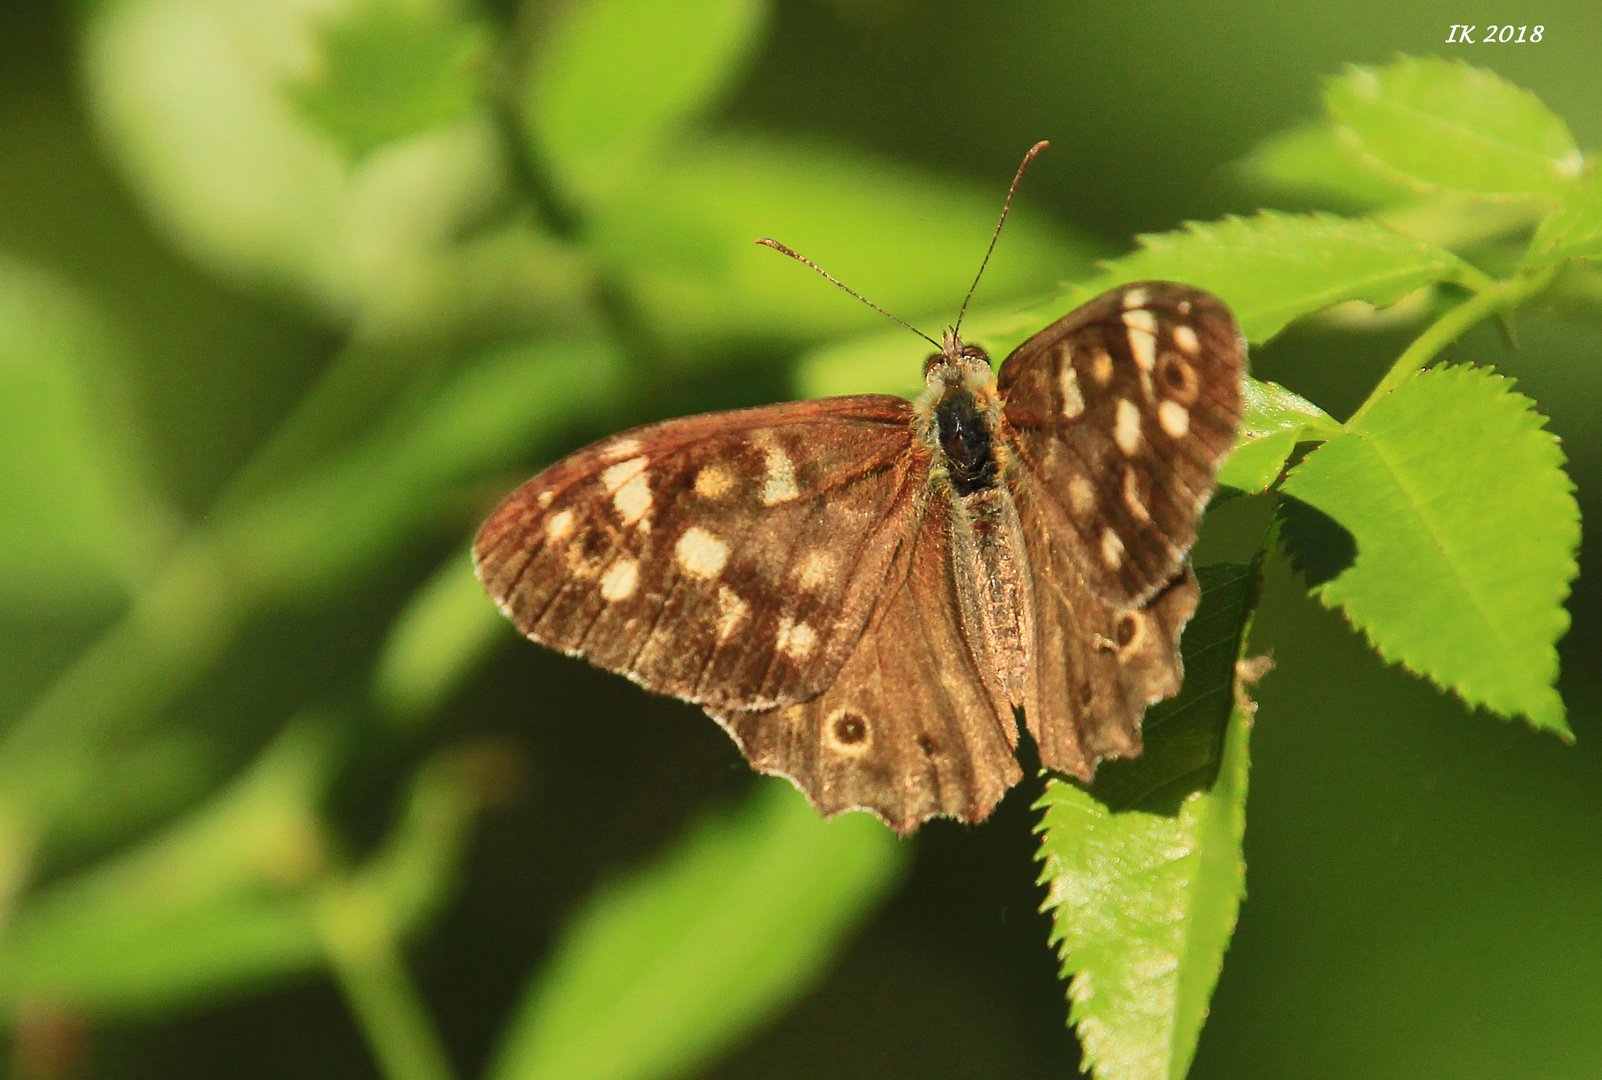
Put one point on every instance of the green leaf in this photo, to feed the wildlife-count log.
(684, 239)
(615, 80)
(445, 630)
(666, 969)
(196, 101)
(389, 70)
(212, 902)
(1144, 868)
(483, 418)
(1459, 529)
(1276, 267)
(80, 521)
(1276, 419)
(1574, 231)
(1446, 126)
(1316, 162)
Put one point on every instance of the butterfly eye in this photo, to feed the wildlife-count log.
(974, 352)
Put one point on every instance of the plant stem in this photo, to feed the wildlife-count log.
(359, 942)
(1497, 297)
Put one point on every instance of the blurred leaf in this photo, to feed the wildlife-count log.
(446, 628)
(1144, 867)
(79, 519)
(209, 903)
(410, 874)
(388, 70)
(1276, 267)
(1463, 529)
(663, 971)
(483, 418)
(891, 361)
(615, 80)
(1444, 125)
(1315, 162)
(1574, 231)
(685, 237)
(193, 98)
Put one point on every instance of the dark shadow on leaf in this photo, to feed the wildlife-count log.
(1319, 547)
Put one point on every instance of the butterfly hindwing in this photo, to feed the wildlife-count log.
(908, 729)
(1097, 665)
(1120, 414)
(731, 559)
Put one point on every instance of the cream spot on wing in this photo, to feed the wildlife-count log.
(700, 554)
(1186, 339)
(1132, 499)
(1073, 401)
(545, 498)
(816, 568)
(1112, 549)
(1134, 298)
(621, 449)
(1142, 327)
(617, 475)
(713, 481)
(779, 486)
(1184, 309)
(1101, 368)
(1126, 429)
(795, 639)
(1175, 418)
(619, 580)
(732, 611)
(1081, 496)
(559, 525)
(633, 499)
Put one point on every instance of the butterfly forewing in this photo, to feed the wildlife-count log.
(1120, 414)
(908, 729)
(731, 559)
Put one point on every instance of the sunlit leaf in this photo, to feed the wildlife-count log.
(1276, 420)
(1444, 125)
(1144, 867)
(1446, 528)
(1275, 267)
(1315, 162)
(195, 101)
(614, 80)
(664, 970)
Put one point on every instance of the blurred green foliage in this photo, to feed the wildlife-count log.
(294, 290)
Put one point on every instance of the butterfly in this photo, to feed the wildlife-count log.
(865, 591)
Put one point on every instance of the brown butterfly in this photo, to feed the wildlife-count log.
(862, 590)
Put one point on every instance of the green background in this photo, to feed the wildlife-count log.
(1424, 885)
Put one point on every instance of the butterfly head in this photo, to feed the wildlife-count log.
(956, 362)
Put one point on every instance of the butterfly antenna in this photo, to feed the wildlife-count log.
(803, 260)
(1006, 206)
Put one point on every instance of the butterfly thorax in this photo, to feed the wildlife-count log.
(958, 418)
